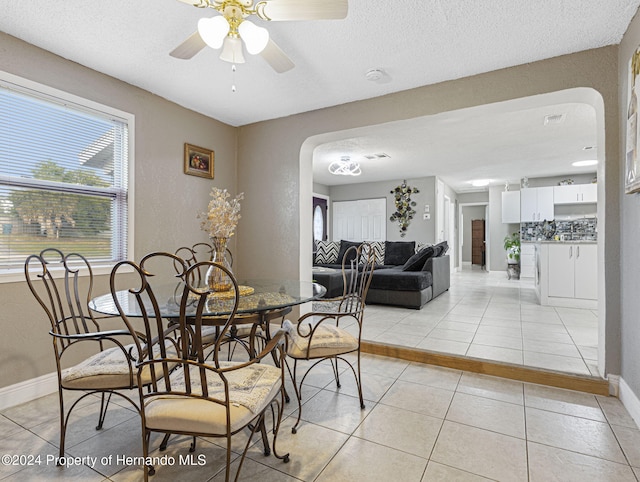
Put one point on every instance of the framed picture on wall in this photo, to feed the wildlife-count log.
(632, 164)
(198, 161)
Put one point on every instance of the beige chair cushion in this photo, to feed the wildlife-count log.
(328, 340)
(109, 369)
(251, 390)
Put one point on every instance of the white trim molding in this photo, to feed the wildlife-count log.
(28, 390)
(630, 401)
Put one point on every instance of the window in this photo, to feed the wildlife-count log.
(64, 170)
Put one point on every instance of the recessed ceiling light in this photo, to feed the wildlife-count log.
(592, 162)
(480, 182)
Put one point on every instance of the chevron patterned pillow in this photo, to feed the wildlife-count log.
(378, 251)
(326, 252)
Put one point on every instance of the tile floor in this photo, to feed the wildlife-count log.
(421, 423)
(485, 315)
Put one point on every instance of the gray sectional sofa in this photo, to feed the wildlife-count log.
(406, 274)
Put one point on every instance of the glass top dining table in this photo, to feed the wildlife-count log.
(256, 296)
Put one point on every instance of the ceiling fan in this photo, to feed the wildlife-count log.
(231, 29)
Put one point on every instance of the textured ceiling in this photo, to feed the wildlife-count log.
(416, 42)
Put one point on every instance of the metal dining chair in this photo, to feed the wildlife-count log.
(318, 335)
(62, 284)
(192, 395)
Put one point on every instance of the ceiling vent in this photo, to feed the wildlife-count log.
(554, 119)
(381, 155)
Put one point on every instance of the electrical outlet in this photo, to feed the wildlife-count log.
(426, 216)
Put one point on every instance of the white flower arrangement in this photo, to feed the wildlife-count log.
(221, 219)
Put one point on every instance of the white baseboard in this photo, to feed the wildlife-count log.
(28, 390)
(630, 401)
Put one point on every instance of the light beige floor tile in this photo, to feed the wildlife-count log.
(528, 327)
(443, 346)
(588, 352)
(438, 473)
(418, 398)
(577, 434)
(457, 325)
(499, 330)
(373, 386)
(555, 362)
(567, 402)
(451, 335)
(83, 422)
(363, 461)
(547, 464)
(412, 330)
(8, 427)
(543, 318)
(381, 365)
(252, 470)
(27, 444)
(508, 323)
(44, 409)
(409, 432)
(615, 412)
(506, 355)
(551, 348)
(310, 449)
(391, 338)
(486, 413)
(512, 342)
(492, 387)
(464, 318)
(440, 377)
(481, 452)
(629, 439)
(543, 335)
(334, 411)
(80, 473)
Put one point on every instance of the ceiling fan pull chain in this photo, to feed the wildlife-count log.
(233, 78)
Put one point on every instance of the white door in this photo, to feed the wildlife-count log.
(360, 220)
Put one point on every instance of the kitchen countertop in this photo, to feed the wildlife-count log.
(553, 241)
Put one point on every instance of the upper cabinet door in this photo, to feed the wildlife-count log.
(511, 207)
(545, 203)
(576, 194)
(528, 205)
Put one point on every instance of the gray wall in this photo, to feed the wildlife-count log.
(469, 213)
(419, 230)
(628, 340)
(274, 160)
(166, 200)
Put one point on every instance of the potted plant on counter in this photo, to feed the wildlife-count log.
(512, 247)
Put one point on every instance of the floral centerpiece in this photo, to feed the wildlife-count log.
(220, 222)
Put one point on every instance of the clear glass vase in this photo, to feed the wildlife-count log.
(218, 280)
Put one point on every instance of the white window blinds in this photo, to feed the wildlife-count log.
(63, 178)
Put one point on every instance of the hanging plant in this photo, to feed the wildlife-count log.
(404, 206)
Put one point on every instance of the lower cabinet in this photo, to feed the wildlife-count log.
(527, 260)
(569, 275)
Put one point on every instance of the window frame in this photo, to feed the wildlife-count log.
(25, 86)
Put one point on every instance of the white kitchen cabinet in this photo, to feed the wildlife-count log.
(536, 204)
(527, 260)
(576, 194)
(572, 271)
(511, 207)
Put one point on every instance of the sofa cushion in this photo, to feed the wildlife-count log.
(398, 252)
(441, 248)
(394, 279)
(326, 252)
(344, 246)
(417, 261)
(378, 251)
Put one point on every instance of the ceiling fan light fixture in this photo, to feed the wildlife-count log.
(232, 51)
(213, 30)
(255, 38)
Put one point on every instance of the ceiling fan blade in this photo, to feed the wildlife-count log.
(281, 10)
(276, 58)
(189, 47)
